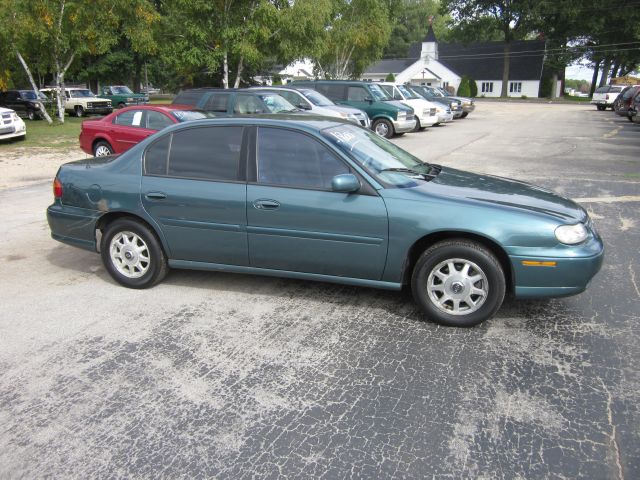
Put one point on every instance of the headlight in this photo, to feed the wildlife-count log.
(16, 117)
(571, 234)
(402, 115)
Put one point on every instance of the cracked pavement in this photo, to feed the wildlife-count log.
(229, 376)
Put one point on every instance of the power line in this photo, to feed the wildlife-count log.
(597, 48)
(515, 54)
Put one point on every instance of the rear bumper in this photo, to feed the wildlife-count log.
(73, 226)
(569, 276)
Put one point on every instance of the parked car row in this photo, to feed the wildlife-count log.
(78, 101)
(386, 108)
(623, 100)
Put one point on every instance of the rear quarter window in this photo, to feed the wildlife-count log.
(188, 98)
(602, 90)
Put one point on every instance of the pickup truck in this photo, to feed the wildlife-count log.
(604, 97)
(121, 96)
(81, 101)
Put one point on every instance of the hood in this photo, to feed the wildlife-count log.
(462, 99)
(502, 192)
(6, 110)
(400, 105)
(345, 109)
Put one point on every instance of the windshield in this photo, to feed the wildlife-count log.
(378, 93)
(31, 95)
(121, 90)
(377, 155)
(408, 94)
(316, 98)
(443, 91)
(187, 115)
(81, 93)
(277, 104)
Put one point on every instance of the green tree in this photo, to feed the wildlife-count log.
(512, 18)
(463, 89)
(390, 78)
(355, 37)
(410, 21)
(473, 87)
(215, 36)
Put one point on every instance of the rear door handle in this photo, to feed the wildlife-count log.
(265, 204)
(156, 195)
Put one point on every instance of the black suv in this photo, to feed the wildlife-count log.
(227, 102)
(24, 102)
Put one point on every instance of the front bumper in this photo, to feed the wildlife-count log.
(100, 110)
(468, 107)
(445, 117)
(457, 113)
(429, 120)
(18, 130)
(570, 275)
(403, 126)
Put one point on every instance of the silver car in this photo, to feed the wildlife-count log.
(315, 102)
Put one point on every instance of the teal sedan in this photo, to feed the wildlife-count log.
(322, 199)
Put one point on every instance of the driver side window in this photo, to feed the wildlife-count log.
(293, 159)
(357, 94)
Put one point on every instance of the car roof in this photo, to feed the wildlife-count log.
(163, 107)
(308, 122)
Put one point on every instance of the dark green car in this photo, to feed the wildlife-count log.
(121, 96)
(322, 199)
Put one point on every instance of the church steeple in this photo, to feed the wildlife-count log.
(430, 43)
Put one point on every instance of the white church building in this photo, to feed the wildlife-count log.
(444, 65)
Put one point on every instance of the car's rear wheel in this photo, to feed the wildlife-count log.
(132, 254)
(383, 127)
(102, 149)
(458, 283)
(601, 107)
(79, 111)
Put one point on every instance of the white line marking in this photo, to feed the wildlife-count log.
(623, 199)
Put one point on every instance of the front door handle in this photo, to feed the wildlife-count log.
(264, 204)
(156, 195)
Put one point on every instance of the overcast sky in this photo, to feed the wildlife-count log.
(579, 72)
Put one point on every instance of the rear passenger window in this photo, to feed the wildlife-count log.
(157, 120)
(132, 118)
(335, 92)
(602, 90)
(217, 102)
(248, 104)
(206, 153)
(155, 159)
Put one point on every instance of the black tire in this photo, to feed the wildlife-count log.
(383, 127)
(104, 144)
(79, 111)
(121, 105)
(31, 114)
(469, 251)
(601, 107)
(157, 265)
(464, 114)
(629, 116)
(418, 127)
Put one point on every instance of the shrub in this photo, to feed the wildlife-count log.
(524, 97)
(463, 89)
(473, 87)
(390, 78)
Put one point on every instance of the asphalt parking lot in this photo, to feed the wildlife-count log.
(221, 375)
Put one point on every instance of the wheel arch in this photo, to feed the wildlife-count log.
(110, 217)
(101, 139)
(427, 241)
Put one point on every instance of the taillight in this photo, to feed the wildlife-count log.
(57, 188)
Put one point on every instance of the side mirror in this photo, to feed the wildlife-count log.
(368, 99)
(345, 183)
(304, 106)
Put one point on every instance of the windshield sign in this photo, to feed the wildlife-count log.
(378, 93)
(317, 98)
(277, 104)
(378, 156)
(187, 115)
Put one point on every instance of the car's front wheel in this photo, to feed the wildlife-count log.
(102, 149)
(31, 114)
(601, 107)
(383, 127)
(464, 115)
(79, 111)
(132, 254)
(458, 283)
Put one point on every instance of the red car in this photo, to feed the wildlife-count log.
(121, 130)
